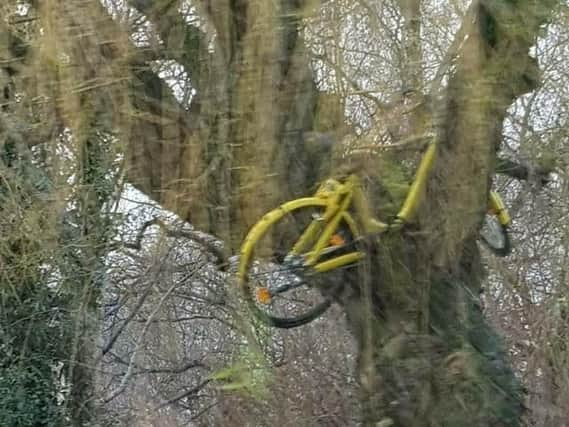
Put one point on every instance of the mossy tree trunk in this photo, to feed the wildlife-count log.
(87, 88)
(240, 146)
(427, 356)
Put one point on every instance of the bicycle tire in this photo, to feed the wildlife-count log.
(495, 236)
(273, 237)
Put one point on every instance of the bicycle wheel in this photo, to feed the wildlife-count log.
(279, 289)
(495, 236)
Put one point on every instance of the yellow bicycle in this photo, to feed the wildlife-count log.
(295, 250)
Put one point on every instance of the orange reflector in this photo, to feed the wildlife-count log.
(337, 240)
(263, 296)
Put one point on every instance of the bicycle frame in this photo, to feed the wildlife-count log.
(336, 198)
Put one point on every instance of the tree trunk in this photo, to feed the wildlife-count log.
(427, 356)
(88, 92)
(243, 150)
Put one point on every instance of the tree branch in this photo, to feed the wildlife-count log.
(523, 172)
(182, 42)
(185, 394)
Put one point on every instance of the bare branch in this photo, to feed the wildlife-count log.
(523, 171)
(185, 394)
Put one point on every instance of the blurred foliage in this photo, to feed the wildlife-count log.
(32, 325)
(27, 394)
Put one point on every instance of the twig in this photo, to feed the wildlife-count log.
(14, 20)
(411, 143)
(122, 327)
(129, 372)
(184, 394)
